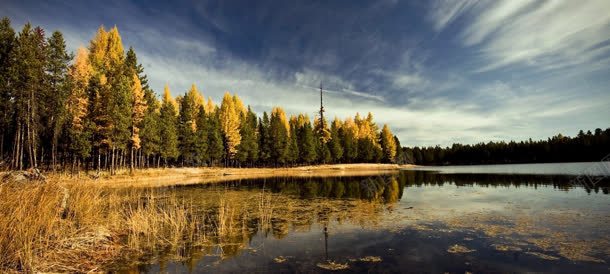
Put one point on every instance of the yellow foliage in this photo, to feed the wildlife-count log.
(389, 144)
(199, 101)
(167, 97)
(210, 106)
(279, 112)
(80, 73)
(230, 123)
(139, 107)
(98, 48)
(302, 119)
(239, 105)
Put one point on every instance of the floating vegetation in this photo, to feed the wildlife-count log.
(456, 248)
(501, 247)
(368, 259)
(279, 259)
(330, 265)
(542, 256)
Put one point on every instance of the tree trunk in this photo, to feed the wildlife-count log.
(112, 162)
(132, 162)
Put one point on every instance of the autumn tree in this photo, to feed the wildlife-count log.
(388, 144)
(79, 126)
(138, 110)
(349, 138)
(230, 122)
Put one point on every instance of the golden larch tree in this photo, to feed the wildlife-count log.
(230, 124)
(138, 110)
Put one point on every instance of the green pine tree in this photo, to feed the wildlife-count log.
(167, 126)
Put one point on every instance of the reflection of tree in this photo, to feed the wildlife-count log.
(560, 182)
(387, 188)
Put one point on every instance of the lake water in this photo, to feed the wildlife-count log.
(522, 218)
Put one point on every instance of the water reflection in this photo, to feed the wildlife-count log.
(290, 224)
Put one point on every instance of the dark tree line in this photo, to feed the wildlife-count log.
(589, 146)
(94, 110)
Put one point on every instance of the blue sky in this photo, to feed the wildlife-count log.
(437, 72)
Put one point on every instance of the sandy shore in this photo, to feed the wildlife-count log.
(184, 176)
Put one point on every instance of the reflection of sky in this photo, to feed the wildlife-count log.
(588, 168)
(451, 201)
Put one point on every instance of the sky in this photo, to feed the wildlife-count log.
(437, 72)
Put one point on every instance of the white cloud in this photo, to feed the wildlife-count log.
(443, 12)
(543, 34)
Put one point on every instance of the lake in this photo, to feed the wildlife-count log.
(513, 218)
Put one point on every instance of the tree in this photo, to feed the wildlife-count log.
(307, 141)
(79, 127)
(27, 75)
(230, 116)
(187, 125)
(247, 150)
(265, 138)
(279, 133)
(335, 146)
(293, 147)
(216, 149)
(167, 127)
(201, 136)
(7, 44)
(388, 145)
(349, 136)
(137, 115)
(55, 93)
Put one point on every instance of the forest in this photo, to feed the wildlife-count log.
(584, 147)
(94, 110)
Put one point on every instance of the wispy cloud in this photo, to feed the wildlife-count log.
(541, 34)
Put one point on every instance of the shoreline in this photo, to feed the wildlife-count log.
(163, 177)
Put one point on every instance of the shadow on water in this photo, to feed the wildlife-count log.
(412, 221)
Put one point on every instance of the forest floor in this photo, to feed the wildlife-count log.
(184, 176)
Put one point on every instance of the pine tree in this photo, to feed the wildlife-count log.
(187, 125)
(27, 76)
(306, 140)
(216, 149)
(335, 145)
(265, 138)
(279, 133)
(388, 145)
(169, 135)
(7, 44)
(55, 93)
(293, 146)
(247, 150)
(201, 137)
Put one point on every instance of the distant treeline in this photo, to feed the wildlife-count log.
(98, 112)
(589, 146)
